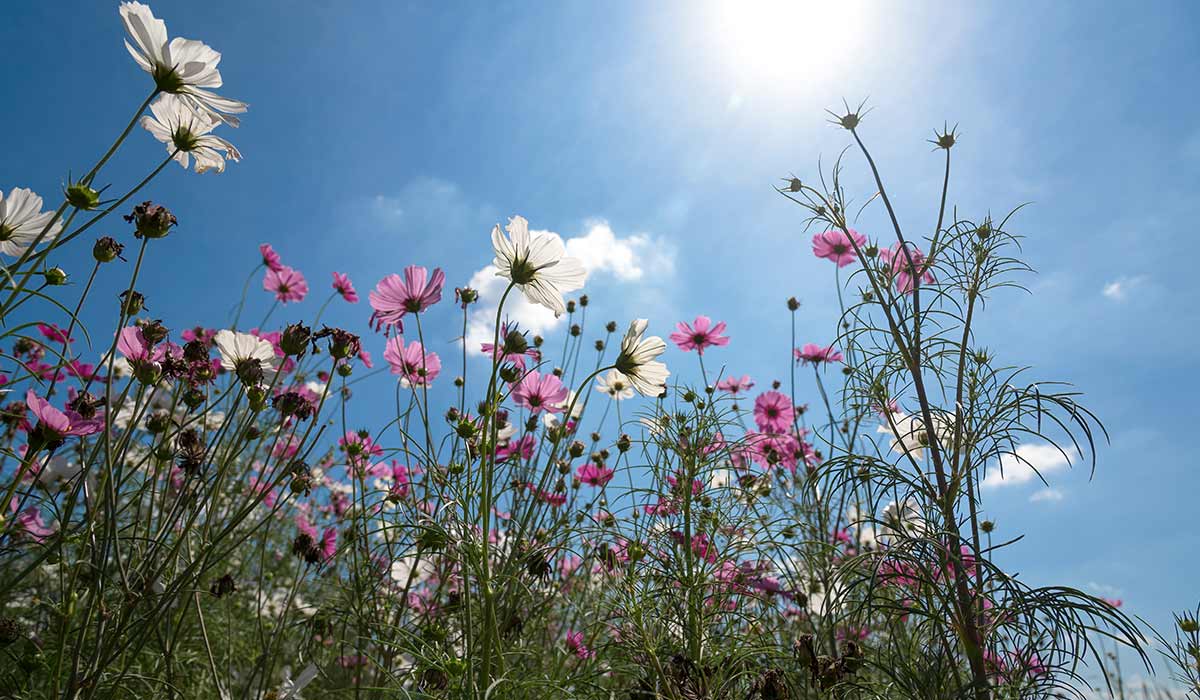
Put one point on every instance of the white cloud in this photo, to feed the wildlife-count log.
(629, 259)
(1119, 289)
(1046, 494)
(1020, 468)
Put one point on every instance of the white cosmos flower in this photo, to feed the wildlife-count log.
(22, 221)
(290, 689)
(186, 133)
(179, 66)
(236, 348)
(537, 263)
(637, 360)
(615, 385)
(901, 519)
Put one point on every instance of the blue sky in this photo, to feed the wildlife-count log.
(386, 134)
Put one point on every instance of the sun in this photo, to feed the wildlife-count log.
(774, 41)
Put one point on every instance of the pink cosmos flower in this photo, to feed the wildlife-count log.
(133, 345)
(735, 385)
(522, 448)
(415, 367)
(31, 523)
(770, 450)
(836, 246)
(594, 475)
(328, 543)
(288, 284)
(902, 271)
(365, 357)
(773, 412)
(540, 392)
(811, 352)
(394, 296)
(701, 334)
(342, 285)
(58, 425)
(53, 333)
(270, 258)
(574, 642)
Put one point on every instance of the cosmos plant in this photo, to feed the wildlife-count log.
(210, 513)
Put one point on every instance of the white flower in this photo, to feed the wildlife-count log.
(22, 221)
(615, 385)
(908, 436)
(902, 519)
(537, 263)
(637, 360)
(186, 133)
(290, 689)
(720, 478)
(552, 420)
(180, 66)
(237, 348)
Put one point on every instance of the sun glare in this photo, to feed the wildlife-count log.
(764, 41)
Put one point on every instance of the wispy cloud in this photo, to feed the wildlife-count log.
(1026, 463)
(1120, 288)
(1046, 495)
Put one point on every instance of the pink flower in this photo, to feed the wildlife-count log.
(540, 392)
(394, 296)
(701, 334)
(288, 284)
(770, 450)
(328, 543)
(365, 357)
(773, 412)
(53, 333)
(522, 448)
(342, 285)
(133, 345)
(811, 352)
(30, 521)
(902, 271)
(836, 246)
(414, 366)
(56, 425)
(574, 642)
(735, 385)
(594, 475)
(270, 258)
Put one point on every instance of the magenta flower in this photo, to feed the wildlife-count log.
(328, 545)
(53, 333)
(771, 450)
(540, 392)
(837, 247)
(773, 412)
(342, 285)
(394, 296)
(815, 354)
(31, 523)
(522, 448)
(365, 358)
(902, 271)
(415, 367)
(594, 475)
(576, 646)
(288, 284)
(735, 385)
(270, 258)
(55, 425)
(134, 346)
(701, 334)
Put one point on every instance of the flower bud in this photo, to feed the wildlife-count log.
(257, 395)
(82, 197)
(55, 277)
(106, 249)
(158, 422)
(583, 300)
(132, 303)
(151, 220)
(576, 449)
(345, 369)
(793, 303)
(295, 339)
(510, 373)
(623, 443)
(466, 295)
(611, 326)
(1189, 625)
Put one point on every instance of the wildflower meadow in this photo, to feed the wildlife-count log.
(610, 508)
